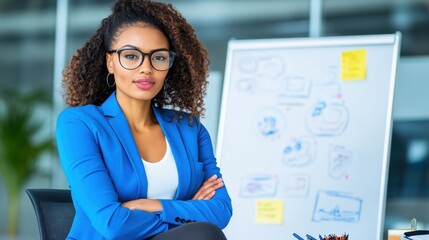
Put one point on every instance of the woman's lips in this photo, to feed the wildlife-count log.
(144, 83)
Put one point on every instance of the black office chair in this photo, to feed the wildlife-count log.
(54, 212)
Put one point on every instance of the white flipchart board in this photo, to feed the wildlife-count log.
(304, 135)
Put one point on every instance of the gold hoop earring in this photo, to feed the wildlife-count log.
(107, 80)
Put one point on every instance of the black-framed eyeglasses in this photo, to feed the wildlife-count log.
(132, 58)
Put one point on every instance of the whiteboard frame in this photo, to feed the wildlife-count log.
(335, 41)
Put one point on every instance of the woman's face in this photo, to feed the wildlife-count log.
(144, 82)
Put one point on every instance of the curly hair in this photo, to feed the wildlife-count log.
(84, 77)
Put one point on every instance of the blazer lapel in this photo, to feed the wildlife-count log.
(172, 133)
(119, 124)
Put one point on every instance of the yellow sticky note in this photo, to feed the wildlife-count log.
(269, 211)
(353, 65)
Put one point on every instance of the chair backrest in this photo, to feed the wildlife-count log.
(54, 212)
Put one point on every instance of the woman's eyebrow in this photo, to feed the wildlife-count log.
(128, 46)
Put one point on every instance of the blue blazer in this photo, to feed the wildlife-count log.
(103, 167)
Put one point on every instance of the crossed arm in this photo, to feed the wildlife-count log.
(205, 192)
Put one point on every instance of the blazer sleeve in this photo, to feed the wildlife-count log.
(217, 210)
(91, 185)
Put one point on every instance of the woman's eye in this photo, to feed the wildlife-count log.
(131, 57)
(158, 58)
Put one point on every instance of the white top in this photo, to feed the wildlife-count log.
(162, 176)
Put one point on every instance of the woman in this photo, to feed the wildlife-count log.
(137, 168)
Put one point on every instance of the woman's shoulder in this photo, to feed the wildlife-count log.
(81, 112)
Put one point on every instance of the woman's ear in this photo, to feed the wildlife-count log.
(109, 62)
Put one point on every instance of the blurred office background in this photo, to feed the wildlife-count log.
(37, 38)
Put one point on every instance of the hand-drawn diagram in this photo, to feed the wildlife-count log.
(299, 152)
(297, 87)
(248, 65)
(331, 92)
(269, 66)
(339, 161)
(307, 136)
(328, 77)
(260, 74)
(258, 185)
(270, 123)
(337, 206)
(297, 185)
(295, 91)
(247, 85)
(327, 119)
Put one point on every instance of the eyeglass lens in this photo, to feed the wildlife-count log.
(160, 60)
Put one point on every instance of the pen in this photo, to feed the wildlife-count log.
(298, 237)
(309, 237)
(416, 232)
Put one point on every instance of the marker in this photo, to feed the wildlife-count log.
(298, 237)
(309, 237)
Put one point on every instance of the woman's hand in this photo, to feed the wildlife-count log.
(208, 189)
(206, 192)
(147, 205)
